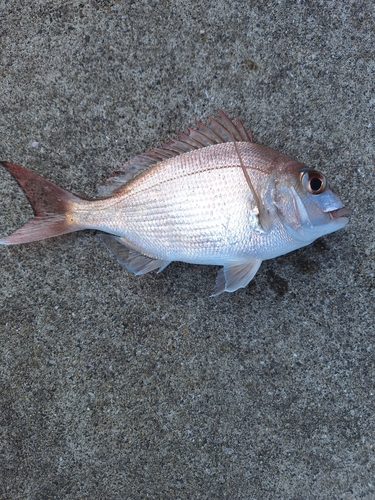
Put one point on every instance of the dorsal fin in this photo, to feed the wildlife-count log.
(206, 135)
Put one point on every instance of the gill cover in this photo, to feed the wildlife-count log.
(317, 188)
(310, 208)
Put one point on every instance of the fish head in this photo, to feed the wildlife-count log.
(306, 204)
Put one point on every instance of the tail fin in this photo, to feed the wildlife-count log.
(51, 205)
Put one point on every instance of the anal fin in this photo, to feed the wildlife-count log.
(235, 275)
(131, 259)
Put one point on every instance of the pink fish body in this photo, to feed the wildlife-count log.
(210, 197)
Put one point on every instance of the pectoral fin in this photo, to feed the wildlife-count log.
(132, 260)
(236, 275)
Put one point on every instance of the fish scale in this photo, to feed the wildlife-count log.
(196, 207)
(212, 196)
(202, 214)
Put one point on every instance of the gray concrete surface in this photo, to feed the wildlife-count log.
(115, 386)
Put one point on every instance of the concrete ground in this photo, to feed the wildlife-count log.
(115, 386)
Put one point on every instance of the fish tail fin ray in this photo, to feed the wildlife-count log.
(50, 203)
(236, 275)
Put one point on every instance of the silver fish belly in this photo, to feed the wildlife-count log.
(210, 197)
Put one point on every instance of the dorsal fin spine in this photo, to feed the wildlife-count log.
(185, 148)
(208, 132)
(230, 126)
(225, 135)
(246, 135)
(206, 135)
(189, 140)
(163, 152)
(197, 136)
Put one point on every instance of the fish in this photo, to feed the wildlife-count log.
(210, 196)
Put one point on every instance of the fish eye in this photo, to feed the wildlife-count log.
(313, 181)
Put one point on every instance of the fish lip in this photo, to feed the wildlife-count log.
(340, 212)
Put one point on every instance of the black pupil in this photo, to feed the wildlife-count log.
(315, 184)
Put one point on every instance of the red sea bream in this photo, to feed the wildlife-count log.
(211, 196)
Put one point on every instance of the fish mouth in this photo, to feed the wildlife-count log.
(341, 212)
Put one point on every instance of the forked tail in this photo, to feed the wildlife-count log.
(51, 204)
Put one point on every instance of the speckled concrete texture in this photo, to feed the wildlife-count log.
(115, 386)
